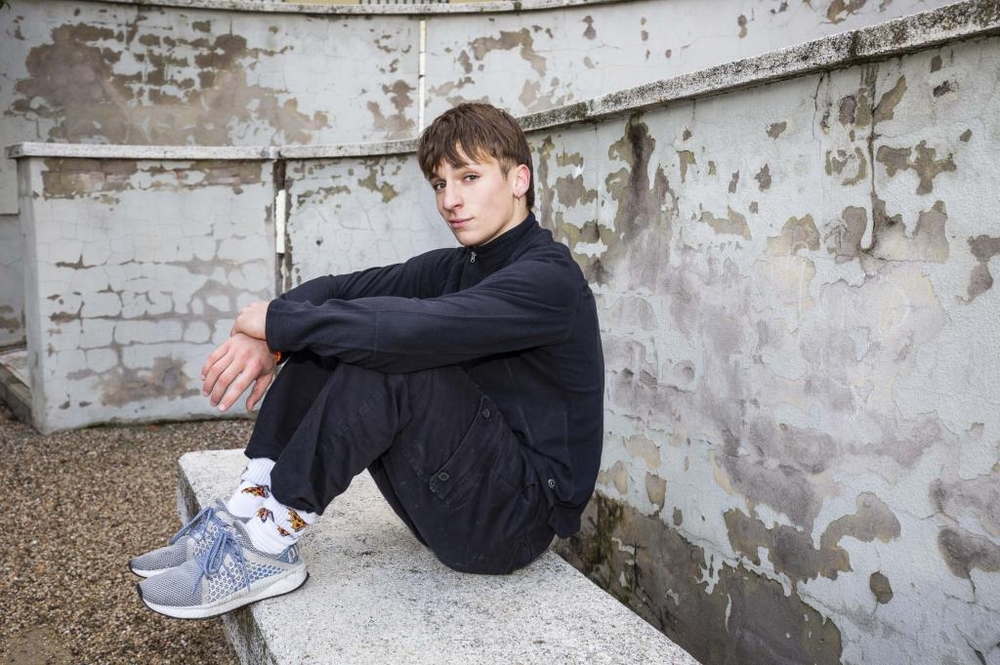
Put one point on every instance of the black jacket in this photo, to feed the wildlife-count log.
(517, 314)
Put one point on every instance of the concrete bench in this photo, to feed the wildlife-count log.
(375, 595)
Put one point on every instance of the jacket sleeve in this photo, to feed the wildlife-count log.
(528, 304)
(420, 277)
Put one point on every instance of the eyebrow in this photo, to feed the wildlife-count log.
(434, 174)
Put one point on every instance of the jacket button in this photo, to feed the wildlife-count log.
(552, 483)
(486, 413)
(444, 476)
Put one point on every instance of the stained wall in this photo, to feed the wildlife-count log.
(800, 324)
(129, 286)
(796, 288)
(795, 283)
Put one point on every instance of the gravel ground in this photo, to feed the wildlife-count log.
(76, 506)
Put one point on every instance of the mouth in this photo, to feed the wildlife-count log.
(458, 223)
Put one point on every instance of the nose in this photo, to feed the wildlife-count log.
(450, 198)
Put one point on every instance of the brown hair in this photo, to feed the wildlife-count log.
(479, 131)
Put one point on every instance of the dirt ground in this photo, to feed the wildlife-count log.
(76, 506)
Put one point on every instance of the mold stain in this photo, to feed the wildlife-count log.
(964, 552)
(733, 224)
(617, 475)
(396, 125)
(923, 163)
(837, 162)
(984, 248)
(520, 41)
(165, 380)
(735, 616)
(791, 551)
(646, 204)
(71, 178)
(844, 240)
(72, 82)
(886, 107)
(589, 33)
(976, 498)
(928, 242)
(840, 10)
(774, 130)
(763, 178)
(686, 158)
(796, 234)
(656, 491)
(880, 587)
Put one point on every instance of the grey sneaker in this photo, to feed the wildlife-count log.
(193, 539)
(230, 574)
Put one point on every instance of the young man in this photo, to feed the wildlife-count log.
(467, 381)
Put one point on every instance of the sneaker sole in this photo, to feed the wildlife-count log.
(147, 573)
(284, 585)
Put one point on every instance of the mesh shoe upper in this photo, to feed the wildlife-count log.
(193, 539)
(227, 575)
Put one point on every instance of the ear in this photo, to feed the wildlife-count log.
(521, 180)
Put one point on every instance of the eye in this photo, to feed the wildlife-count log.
(469, 177)
(437, 186)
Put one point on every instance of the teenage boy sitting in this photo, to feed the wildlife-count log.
(468, 381)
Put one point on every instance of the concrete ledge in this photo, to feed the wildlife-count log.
(152, 152)
(960, 21)
(971, 19)
(317, 6)
(375, 595)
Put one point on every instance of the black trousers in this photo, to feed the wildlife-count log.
(437, 447)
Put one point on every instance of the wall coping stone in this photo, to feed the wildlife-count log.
(167, 152)
(965, 20)
(375, 595)
(420, 10)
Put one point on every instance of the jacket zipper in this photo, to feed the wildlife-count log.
(472, 256)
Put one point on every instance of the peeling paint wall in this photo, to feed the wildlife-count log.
(129, 286)
(353, 213)
(533, 61)
(103, 72)
(798, 304)
(801, 327)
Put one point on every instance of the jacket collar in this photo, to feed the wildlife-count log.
(495, 253)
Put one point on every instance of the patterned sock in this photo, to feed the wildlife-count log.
(276, 527)
(253, 490)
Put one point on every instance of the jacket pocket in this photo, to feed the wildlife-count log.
(470, 463)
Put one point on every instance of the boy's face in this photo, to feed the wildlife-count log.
(477, 201)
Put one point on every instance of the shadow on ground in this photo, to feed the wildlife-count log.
(76, 505)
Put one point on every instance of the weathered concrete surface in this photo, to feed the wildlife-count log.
(796, 285)
(375, 595)
(353, 213)
(532, 61)
(104, 72)
(129, 286)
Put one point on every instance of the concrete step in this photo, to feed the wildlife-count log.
(375, 595)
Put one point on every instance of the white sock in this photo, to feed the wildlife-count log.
(276, 527)
(253, 490)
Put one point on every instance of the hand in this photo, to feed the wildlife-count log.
(251, 319)
(238, 362)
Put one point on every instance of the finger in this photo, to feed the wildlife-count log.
(259, 388)
(214, 372)
(222, 375)
(213, 357)
(236, 387)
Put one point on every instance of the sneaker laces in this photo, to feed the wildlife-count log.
(212, 561)
(204, 515)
